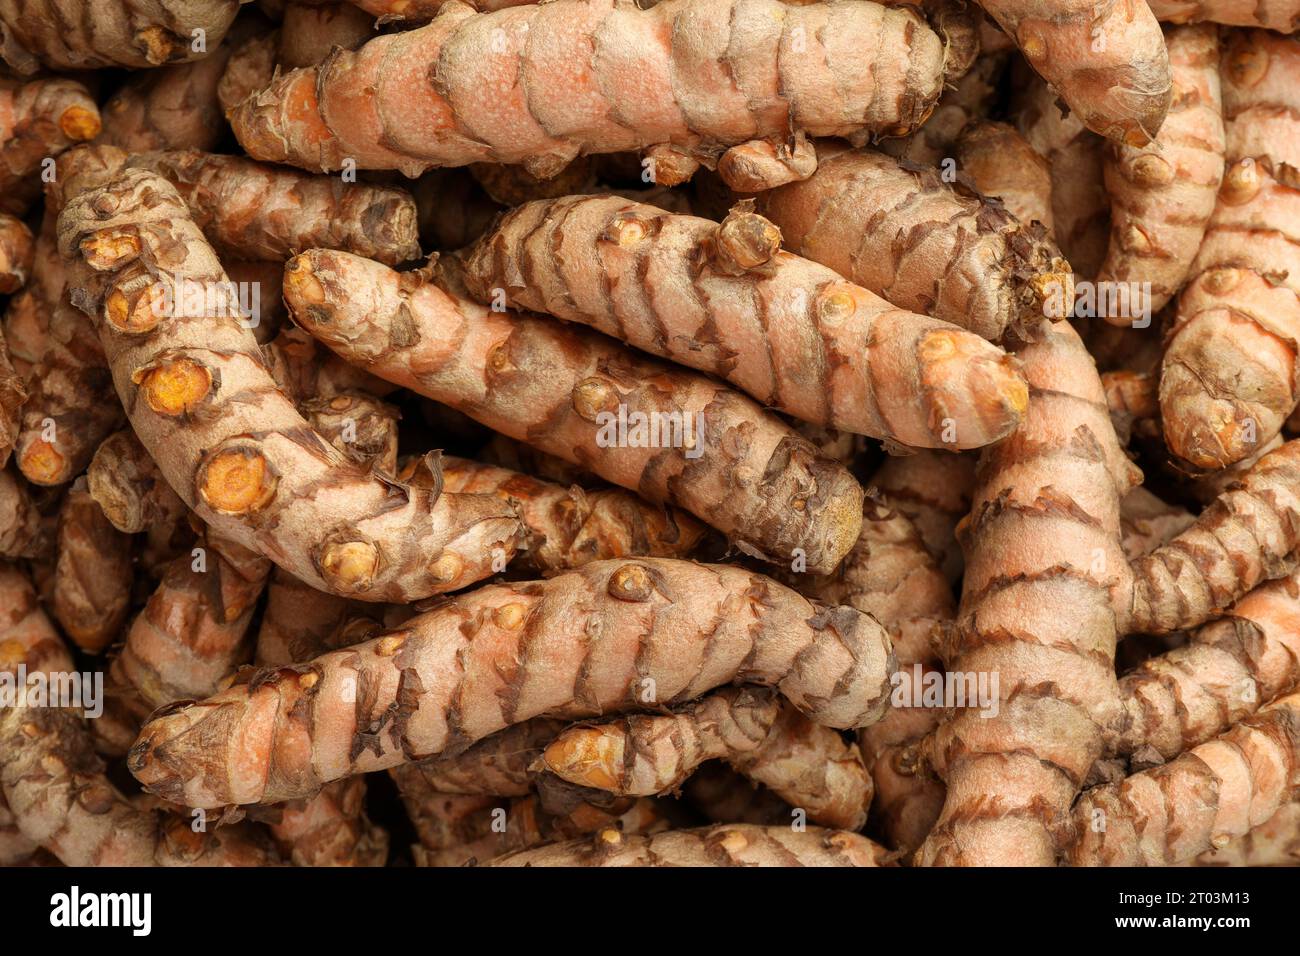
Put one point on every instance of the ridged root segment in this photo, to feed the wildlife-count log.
(1076, 155)
(1202, 800)
(331, 828)
(1000, 163)
(111, 32)
(1246, 536)
(933, 490)
(701, 446)
(55, 786)
(93, 575)
(615, 635)
(724, 845)
(190, 634)
(460, 830)
(709, 74)
(42, 119)
(500, 765)
(702, 294)
(1109, 65)
(1162, 194)
(891, 575)
(566, 527)
(1230, 371)
(1280, 15)
(231, 443)
(1043, 534)
(1275, 842)
(1227, 671)
(255, 211)
(808, 766)
(928, 246)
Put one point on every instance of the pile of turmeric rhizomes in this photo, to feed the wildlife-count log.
(711, 432)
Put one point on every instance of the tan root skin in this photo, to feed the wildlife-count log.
(744, 471)
(1246, 536)
(1109, 64)
(55, 785)
(891, 575)
(723, 845)
(1162, 194)
(1001, 163)
(1230, 378)
(1280, 15)
(1201, 800)
(93, 575)
(1080, 206)
(709, 73)
(809, 767)
(723, 298)
(246, 466)
(924, 244)
(1227, 671)
(110, 32)
(600, 639)
(1043, 534)
(566, 527)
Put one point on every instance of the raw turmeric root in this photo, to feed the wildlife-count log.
(40, 119)
(890, 575)
(309, 32)
(564, 390)
(259, 212)
(1280, 15)
(1227, 671)
(610, 636)
(1109, 64)
(808, 766)
(1043, 534)
(17, 250)
(177, 106)
(128, 487)
(704, 82)
(933, 490)
(13, 395)
(701, 294)
(298, 621)
(1001, 164)
(967, 100)
(459, 830)
(1245, 537)
(331, 828)
(1075, 154)
(92, 579)
(566, 528)
(1148, 523)
(418, 10)
(253, 471)
(1162, 194)
(1202, 800)
(500, 765)
(134, 33)
(1230, 376)
(1275, 842)
(723, 845)
(54, 785)
(190, 635)
(71, 408)
(921, 243)
(20, 521)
